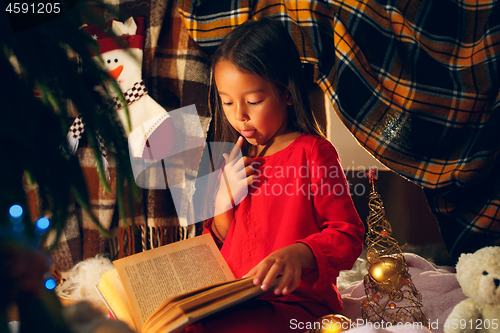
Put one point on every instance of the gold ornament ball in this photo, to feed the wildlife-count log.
(333, 323)
(387, 272)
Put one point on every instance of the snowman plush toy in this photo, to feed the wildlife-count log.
(121, 53)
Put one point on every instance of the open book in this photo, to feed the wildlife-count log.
(170, 287)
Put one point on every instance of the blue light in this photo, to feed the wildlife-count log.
(16, 211)
(42, 223)
(50, 284)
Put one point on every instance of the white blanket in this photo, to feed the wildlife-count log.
(437, 284)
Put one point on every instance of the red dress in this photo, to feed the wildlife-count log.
(301, 195)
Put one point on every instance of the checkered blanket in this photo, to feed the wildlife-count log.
(417, 84)
(175, 72)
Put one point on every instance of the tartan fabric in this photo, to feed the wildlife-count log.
(175, 72)
(416, 82)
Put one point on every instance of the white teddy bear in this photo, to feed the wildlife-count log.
(479, 276)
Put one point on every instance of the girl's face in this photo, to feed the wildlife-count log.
(253, 106)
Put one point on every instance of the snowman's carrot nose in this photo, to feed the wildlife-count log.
(116, 72)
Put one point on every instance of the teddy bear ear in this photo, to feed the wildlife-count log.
(462, 259)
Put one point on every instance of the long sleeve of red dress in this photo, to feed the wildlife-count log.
(301, 195)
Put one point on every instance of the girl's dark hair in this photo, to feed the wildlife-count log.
(266, 49)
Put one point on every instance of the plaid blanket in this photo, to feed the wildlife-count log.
(175, 71)
(417, 84)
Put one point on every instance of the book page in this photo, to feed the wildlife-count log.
(178, 312)
(111, 290)
(151, 277)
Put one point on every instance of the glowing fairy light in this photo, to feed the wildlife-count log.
(16, 211)
(42, 223)
(50, 283)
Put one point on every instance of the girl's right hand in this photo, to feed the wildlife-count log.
(237, 175)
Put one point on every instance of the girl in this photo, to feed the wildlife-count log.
(284, 207)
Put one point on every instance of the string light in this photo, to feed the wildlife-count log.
(50, 283)
(16, 211)
(42, 223)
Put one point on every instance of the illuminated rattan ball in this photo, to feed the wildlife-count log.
(387, 274)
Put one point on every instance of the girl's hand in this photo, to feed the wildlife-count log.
(238, 174)
(288, 262)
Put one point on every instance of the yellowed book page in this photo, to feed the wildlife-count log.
(151, 277)
(111, 290)
(176, 316)
(168, 310)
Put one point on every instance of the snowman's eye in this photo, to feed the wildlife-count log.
(116, 60)
(485, 273)
(109, 61)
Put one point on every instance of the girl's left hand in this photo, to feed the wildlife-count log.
(288, 262)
